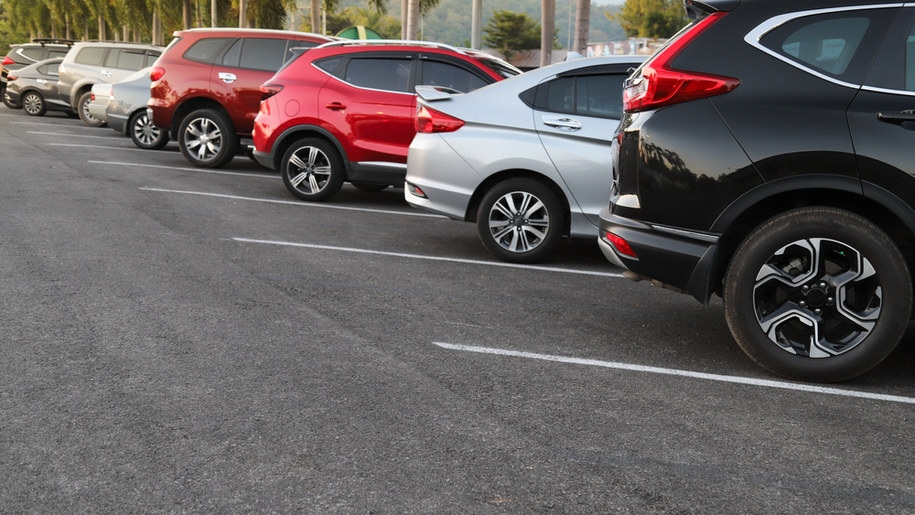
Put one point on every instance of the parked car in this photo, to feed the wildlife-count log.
(126, 111)
(92, 62)
(360, 124)
(24, 54)
(205, 88)
(34, 88)
(527, 159)
(98, 102)
(764, 155)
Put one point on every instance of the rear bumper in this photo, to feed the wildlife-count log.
(264, 159)
(673, 258)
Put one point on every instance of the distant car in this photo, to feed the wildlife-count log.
(126, 112)
(527, 159)
(24, 54)
(206, 86)
(344, 111)
(98, 102)
(91, 62)
(34, 88)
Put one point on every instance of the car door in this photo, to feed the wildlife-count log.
(236, 79)
(882, 116)
(575, 115)
(369, 107)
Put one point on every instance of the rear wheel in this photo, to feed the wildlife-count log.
(33, 104)
(207, 138)
(520, 220)
(83, 110)
(144, 134)
(818, 294)
(312, 169)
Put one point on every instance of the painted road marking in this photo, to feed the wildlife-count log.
(682, 373)
(185, 169)
(432, 258)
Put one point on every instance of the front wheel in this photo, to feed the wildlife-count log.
(33, 104)
(83, 110)
(207, 138)
(144, 134)
(520, 220)
(818, 294)
(312, 169)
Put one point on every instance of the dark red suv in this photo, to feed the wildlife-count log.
(205, 86)
(344, 111)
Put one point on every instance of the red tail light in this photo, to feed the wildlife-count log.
(268, 90)
(621, 245)
(7, 60)
(12, 77)
(156, 73)
(430, 121)
(660, 85)
(92, 97)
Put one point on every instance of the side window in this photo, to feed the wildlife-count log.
(438, 73)
(389, 74)
(151, 56)
(263, 54)
(232, 54)
(57, 53)
(335, 66)
(894, 68)
(34, 53)
(840, 44)
(131, 59)
(94, 56)
(600, 95)
(557, 96)
(50, 69)
(206, 50)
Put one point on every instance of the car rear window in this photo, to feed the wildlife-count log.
(206, 50)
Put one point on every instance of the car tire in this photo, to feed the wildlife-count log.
(33, 104)
(819, 275)
(83, 110)
(367, 186)
(207, 138)
(144, 134)
(521, 220)
(312, 169)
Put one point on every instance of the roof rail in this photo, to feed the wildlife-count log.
(59, 41)
(430, 44)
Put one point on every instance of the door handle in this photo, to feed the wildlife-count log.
(562, 123)
(105, 73)
(226, 77)
(335, 106)
(901, 117)
(41, 81)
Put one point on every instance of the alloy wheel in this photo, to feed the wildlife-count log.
(519, 221)
(145, 132)
(309, 170)
(203, 139)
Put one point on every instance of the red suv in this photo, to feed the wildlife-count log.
(205, 86)
(344, 111)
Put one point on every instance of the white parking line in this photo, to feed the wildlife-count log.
(682, 373)
(131, 149)
(185, 169)
(431, 258)
(293, 203)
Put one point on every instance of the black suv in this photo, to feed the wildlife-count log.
(25, 54)
(766, 156)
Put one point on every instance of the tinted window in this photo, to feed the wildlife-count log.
(841, 44)
(600, 95)
(557, 95)
(33, 53)
(206, 50)
(49, 69)
(232, 54)
(93, 56)
(437, 73)
(332, 65)
(131, 59)
(263, 54)
(389, 74)
(57, 53)
(151, 57)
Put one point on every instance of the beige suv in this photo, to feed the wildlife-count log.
(92, 62)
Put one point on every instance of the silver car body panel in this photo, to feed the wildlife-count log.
(128, 97)
(503, 135)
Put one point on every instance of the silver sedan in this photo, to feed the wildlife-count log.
(126, 112)
(527, 159)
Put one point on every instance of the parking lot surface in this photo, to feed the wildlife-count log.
(176, 339)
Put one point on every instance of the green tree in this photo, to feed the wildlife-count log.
(652, 18)
(511, 32)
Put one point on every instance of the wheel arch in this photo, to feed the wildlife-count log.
(480, 192)
(297, 132)
(870, 201)
(192, 104)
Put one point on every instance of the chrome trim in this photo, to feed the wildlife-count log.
(752, 38)
(701, 236)
(631, 201)
(400, 166)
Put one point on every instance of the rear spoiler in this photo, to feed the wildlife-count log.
(436, 93)
(696, 9)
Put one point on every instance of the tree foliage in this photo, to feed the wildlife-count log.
(652, 18)
(511, 32)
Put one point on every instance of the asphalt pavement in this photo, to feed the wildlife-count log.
(183, 339)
